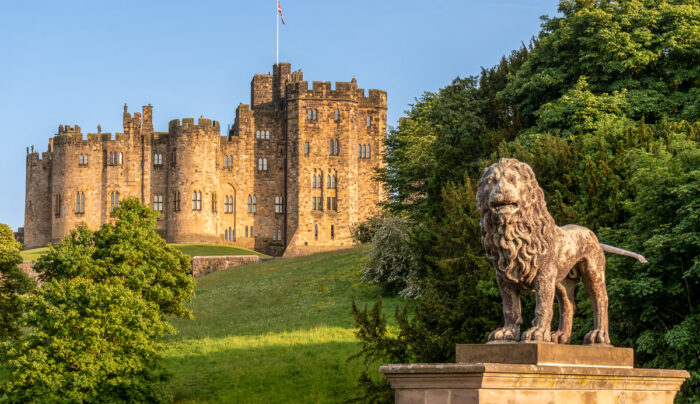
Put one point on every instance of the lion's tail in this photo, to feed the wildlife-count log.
(620, 251)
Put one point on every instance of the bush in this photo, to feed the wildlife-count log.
(13, 283)
(364, 231)
(392, 262)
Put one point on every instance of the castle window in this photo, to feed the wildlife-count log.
(317, 203)
(176, 201)
(279, 235)
(228, 161)
(333, 146)
(173, 160)
(369, 152)
(332, 232)
(364, 151)
(79, 202)
(157, 160)
(337, 115)
(57, 205)
(228, 204)
(213, 203)
(314, 114)
(252, 204)
(121, 158)
(111, 158)
(255, 204)
(334, 180)
(337, 149)
(328, 181)
(246, 231)
(309, 114)
(113, 200)
(83, 160)
(262, 164)
(158, 203)
(359, 151)
(306, 148)
(315, 232)
(267, 134)
(197, 200)
(369, 121)
(279, 204)
(332, 203)
(257, 134)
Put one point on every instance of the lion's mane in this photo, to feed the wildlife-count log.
(519, 247)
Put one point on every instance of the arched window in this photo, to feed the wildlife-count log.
(121, 158)
(257, 134)
(255, 203)
(313, 181)
(250, 205)
(331, 147)
(309, 114)
(157, 160)
(314, 114)
(337, 115)
(328, 181)
(267, 134)
(335, 146)
(262, 164)
(334, 180)
(364, 151)
(315, 232)
(197, 200)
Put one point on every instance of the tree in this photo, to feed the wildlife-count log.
(93, 328)
(13, 283)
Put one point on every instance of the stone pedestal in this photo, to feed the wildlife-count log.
(534, 373)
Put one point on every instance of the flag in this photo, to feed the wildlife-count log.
(279, 10)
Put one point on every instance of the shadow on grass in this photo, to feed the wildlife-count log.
(305, 373)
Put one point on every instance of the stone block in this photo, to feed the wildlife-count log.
(546, 354)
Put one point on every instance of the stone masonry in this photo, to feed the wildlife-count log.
(294, 173)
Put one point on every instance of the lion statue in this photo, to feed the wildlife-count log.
(530, 252)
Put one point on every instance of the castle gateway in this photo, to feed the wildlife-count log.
(293, 174)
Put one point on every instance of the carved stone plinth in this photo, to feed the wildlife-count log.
(534, 373)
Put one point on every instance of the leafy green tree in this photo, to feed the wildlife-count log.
(93, 328)
(91, 342)
(13, 283)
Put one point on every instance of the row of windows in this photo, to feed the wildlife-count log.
(262, 134)
(331, 203)
(317, 181)
(116, 158)
(316, 232)
(312, 115)
(364, 151)
(230, 234)
(276, 235)
(251, 231)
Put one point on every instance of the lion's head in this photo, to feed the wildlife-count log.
(516, 227)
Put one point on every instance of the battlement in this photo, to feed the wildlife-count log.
(188, 124)
(68, 130)
(344, 91)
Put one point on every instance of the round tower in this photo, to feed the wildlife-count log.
(192, 181)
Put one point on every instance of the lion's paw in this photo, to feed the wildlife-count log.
(597, 337)
(561, 337)
(504, 334)
(537, 334)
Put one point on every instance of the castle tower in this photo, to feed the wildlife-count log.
(193, 181)
(37, 206)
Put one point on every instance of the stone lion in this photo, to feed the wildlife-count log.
(530, 252)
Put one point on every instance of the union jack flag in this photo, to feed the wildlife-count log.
(279, 10)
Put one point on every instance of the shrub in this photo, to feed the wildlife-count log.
(13, 283)
(364, 231)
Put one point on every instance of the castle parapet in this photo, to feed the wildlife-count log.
(188, 124)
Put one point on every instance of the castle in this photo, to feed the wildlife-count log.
(291, 176)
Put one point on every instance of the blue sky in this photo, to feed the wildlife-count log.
(78, 62)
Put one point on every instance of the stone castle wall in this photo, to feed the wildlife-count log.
(261, 165)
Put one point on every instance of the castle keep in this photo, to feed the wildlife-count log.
(293, 173)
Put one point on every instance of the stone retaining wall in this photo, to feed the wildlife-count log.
(200, 265)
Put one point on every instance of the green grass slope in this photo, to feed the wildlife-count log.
(276, 331)
(194, 250)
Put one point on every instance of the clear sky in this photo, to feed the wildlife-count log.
(78, 62)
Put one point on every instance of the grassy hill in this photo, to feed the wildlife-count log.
(189, 249)
(276, 331)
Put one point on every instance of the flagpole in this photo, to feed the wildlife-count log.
(277, 36)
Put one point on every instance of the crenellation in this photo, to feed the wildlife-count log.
(251, 187)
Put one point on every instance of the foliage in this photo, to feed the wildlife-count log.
(604, 106)
(92, 342)
(94, 325)
(392, 261)
(130, 250)
(13, 283)
(364, 231)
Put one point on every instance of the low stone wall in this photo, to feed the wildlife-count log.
(206, 265)
(200, 265)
